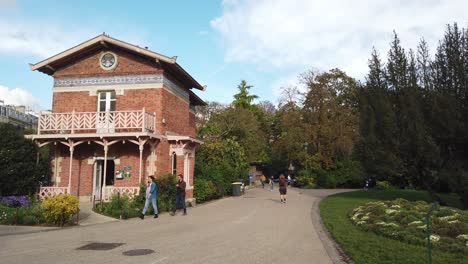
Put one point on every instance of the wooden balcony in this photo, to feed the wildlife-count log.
(97, 122)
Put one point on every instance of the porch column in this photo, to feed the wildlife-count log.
(106, 148)
(70, 169)
(141, 146)
(71, 145)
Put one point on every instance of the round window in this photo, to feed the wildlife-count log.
(108, 60)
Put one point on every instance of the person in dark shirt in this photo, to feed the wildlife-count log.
(180, 194)
(283, 183)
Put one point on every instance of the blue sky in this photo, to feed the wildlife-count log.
(266, 42)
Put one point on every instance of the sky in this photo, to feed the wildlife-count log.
(268, 43)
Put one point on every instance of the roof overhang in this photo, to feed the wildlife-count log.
(184, 139)
(50, 65)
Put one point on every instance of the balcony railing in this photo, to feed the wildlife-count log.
(97, 122)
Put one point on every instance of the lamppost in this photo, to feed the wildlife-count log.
(306, 148)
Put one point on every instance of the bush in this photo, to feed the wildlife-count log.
(326, 179)
(59, 210)
(204, 190)
(383, 185)
(120, 206)
(166, 192)
(305, 179)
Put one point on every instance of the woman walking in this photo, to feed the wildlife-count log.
(151, 193)
(282, 188)
(272, 184)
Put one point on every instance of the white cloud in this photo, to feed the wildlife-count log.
(18, 96)
(48, 38)
(299, 34)
(4, 4)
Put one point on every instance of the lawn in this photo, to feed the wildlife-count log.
(366, 247)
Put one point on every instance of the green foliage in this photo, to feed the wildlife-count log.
(205, 190)
(383, 185)
(166, 192)
(222, 163)
(243, 99)
(59, 210)
(368, 247)
(305, 179)
(413, 116)
(120, 206)
(18, 156)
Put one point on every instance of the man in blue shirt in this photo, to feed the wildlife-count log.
(151, 193)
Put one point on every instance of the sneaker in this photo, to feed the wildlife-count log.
(142, 216)
(172, 214)
(155, 216)
(185, 213)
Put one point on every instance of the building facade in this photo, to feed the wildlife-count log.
(120, 113)
(17, 116)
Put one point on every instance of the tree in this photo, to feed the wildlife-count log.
(330, 114)
(21, 170)
(243, 99)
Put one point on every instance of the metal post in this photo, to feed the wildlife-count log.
(434, 206)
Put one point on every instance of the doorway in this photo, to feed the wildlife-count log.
(106, 112)
(99, 177)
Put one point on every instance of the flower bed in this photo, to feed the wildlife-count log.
(405, 221)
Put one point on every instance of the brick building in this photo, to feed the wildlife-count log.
(120, 113)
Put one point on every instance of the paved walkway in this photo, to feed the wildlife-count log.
(254, 228)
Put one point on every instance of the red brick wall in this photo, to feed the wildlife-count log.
(78, 101)
(128, 64)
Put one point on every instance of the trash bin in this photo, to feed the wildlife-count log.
(236, 188)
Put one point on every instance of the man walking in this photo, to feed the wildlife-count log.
(180, 195)
(151, 193)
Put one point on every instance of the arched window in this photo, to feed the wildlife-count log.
(174, 163)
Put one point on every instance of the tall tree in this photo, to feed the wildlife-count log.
(243, 99)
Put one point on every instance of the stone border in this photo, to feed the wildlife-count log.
(334, 251)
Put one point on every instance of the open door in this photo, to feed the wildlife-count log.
(98, 177)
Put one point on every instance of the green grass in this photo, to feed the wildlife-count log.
(366, 247)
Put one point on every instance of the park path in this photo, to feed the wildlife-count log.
(253, 228)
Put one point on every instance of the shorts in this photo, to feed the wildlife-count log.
(282, 190)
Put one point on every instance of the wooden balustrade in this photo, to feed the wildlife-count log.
(96, 122)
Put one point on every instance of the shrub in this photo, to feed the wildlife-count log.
(204, 190)
(305, 179)
(60, 209)
(383, 185)
(166, 192)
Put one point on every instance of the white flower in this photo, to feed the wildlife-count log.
(395, 206)
(361, 223)
(449, 217)
(453, 222)
(381, 223)
(355, 216)
(415, 223)
(465, 237)
(365, 217)
(435, 238)
(391, 211)
(421, 227)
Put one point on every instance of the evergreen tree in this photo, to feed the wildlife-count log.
(243, 99)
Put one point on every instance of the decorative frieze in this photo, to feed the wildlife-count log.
(119, 84)
(109, 80)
